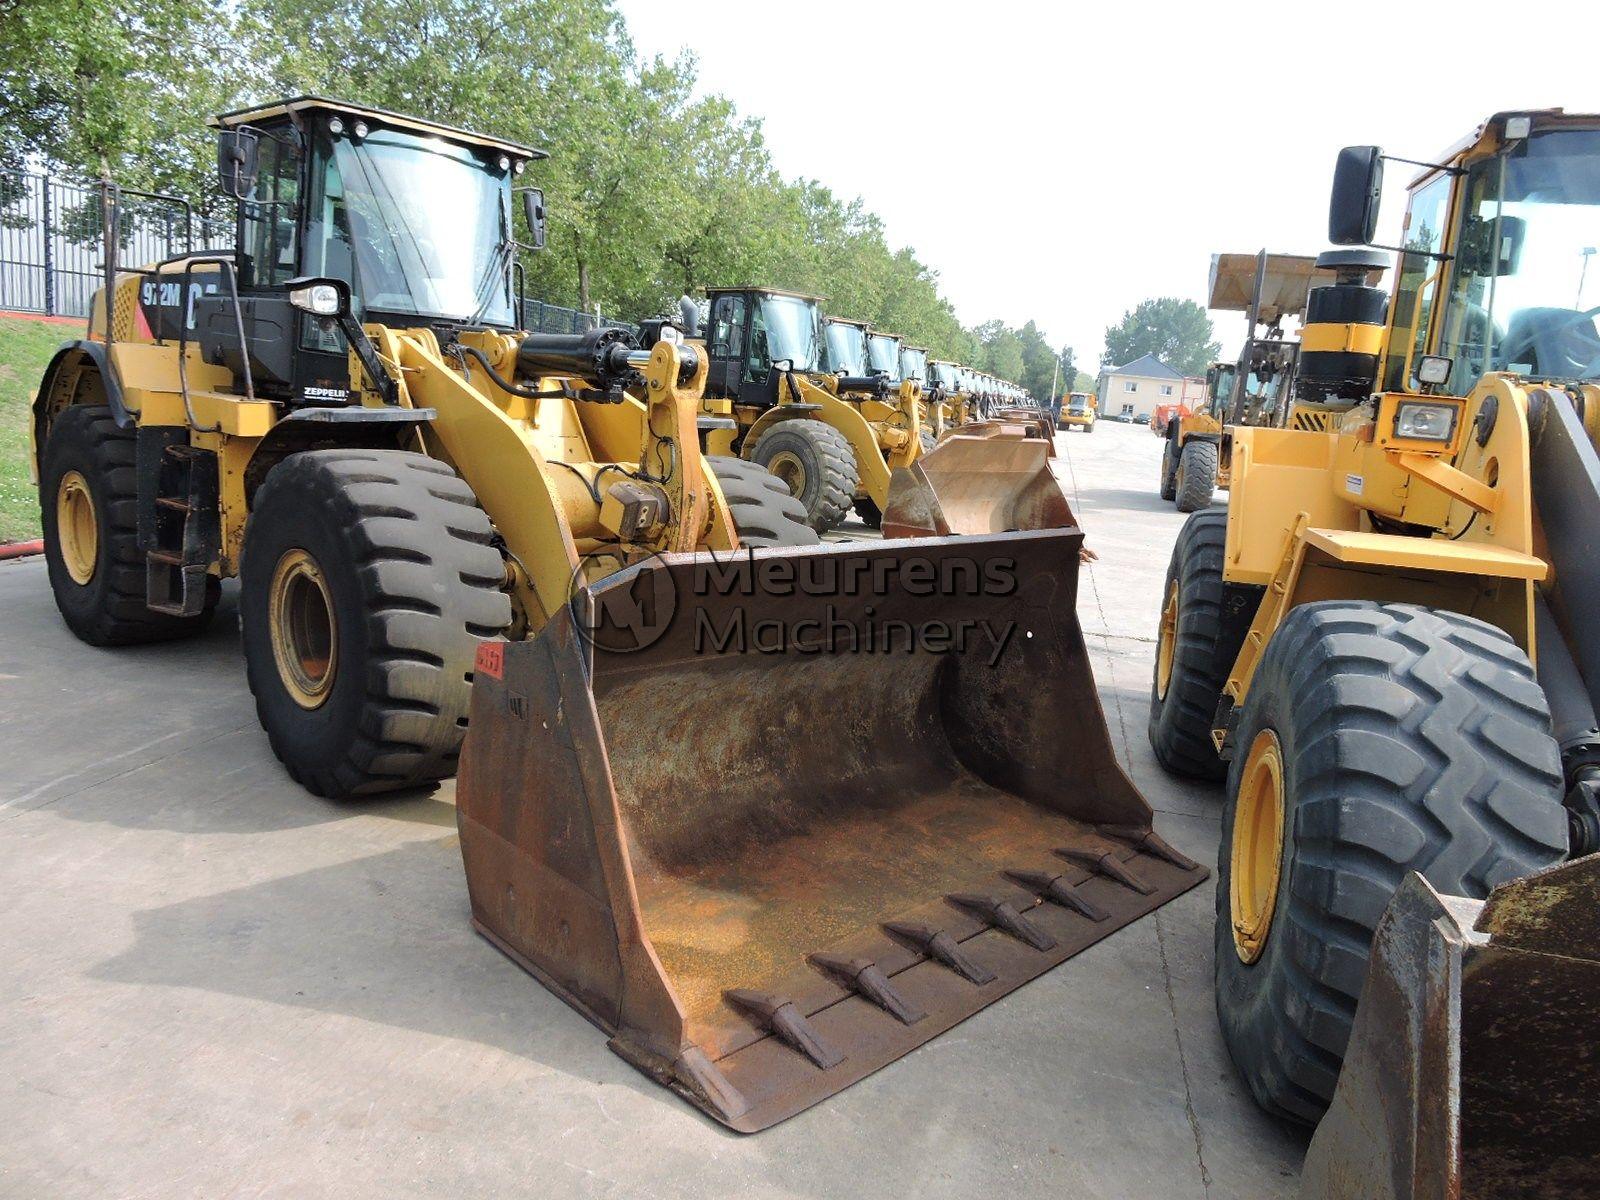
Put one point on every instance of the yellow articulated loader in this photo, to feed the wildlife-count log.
(1077, 413)
(946, 400)
(805, 407)
(1276, 381)
(1386, 643)
(771, 813)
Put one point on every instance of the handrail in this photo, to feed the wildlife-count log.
(226, 263)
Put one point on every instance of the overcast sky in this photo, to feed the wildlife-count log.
(1061, 162)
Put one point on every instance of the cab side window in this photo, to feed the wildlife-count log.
(1418, 285)
(268, 232)
(727, 327)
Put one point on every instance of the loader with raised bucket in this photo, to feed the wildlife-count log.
(1386, 643)
(769, 845)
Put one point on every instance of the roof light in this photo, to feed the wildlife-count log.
(505, 162)
(360, 130)
(335, 126)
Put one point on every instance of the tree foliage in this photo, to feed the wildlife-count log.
(652, 190)
(1178, 332)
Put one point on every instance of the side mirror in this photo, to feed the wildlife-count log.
(1353, 206)
(319, 296)
(533, 211)
(238, 158)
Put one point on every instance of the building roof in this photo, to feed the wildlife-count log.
(1148, 367)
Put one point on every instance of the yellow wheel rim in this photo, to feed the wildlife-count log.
(791, 470)
(77, 529)
(305, 637)
(1167, 642)
(1256, 856)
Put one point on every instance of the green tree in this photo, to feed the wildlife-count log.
(1178, 332)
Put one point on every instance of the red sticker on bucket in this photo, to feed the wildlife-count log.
(491, 659)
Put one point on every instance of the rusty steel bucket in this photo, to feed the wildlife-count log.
(773, 821)
(1473, 1066)
(988, 477)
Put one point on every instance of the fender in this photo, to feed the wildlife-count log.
(72, 354)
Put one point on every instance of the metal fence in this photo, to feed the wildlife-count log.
(52, 248)
(52, 242)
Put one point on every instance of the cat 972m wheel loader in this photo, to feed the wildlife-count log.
(771, 813)
(1387, 644)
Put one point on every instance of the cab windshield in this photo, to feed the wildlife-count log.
(417, 225)
(1078, 403)
(1526, 289)
(883, 354)
(847, 347)
(787, 328)
(913, 364)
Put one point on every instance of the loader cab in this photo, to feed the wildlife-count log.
(945, 376)
(417, 218)
(914, 363)
(1497, 268)
(845, 349)
(750, 331)
(883, 355)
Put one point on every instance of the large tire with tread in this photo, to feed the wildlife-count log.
(96, 459)
(1193, 653)
(1196, 482)
(816, 462)
(1411, 739)
(764, 511)
(405, 573)
(1169, 469)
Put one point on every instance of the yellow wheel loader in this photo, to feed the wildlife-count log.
(947, 401)
(1386, 642)
(1077, 413)
(770, 813)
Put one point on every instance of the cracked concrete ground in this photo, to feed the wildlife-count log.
(218, 985)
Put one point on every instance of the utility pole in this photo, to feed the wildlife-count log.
(1055, 374)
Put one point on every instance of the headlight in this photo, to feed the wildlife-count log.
(1425, 422)
(1434, 369)
(320, 299)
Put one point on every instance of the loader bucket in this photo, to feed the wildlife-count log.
(774, 820)
(1472, 1069)
(990, 477)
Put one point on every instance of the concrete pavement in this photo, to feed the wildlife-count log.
(218, 985)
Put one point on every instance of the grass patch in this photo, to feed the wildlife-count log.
(25, 348)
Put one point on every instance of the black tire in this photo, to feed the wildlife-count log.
(827, 467)
(868, 512)
(1203, 652)
(763, 510)
(414, 585)
(1196, 482)
(108, 609)
(1412, 739)
(1169, 469)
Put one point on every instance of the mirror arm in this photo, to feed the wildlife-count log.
(388, 390)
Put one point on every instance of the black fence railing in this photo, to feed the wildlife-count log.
(52, 248)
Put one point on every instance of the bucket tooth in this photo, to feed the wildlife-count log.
(781, 1017)
(1003, 915)
(863, 976)
(941, 947)
(1057, 890)
(1148, 841)
(1104, 862)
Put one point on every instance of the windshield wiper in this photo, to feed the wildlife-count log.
(493, 271)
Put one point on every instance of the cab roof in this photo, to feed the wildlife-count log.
(311, 104)
(765, 291)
